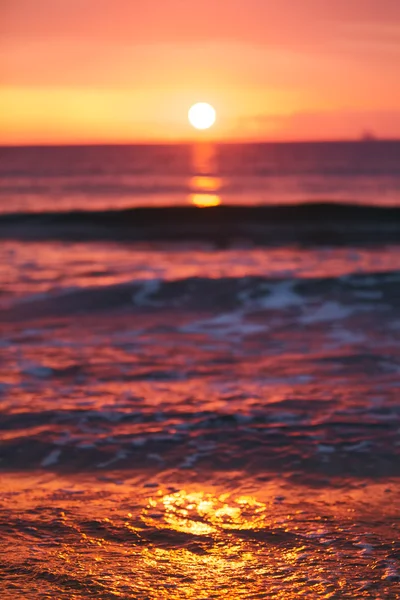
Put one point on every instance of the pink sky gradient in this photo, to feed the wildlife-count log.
(127, 70)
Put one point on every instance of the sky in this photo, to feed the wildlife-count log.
(87, 71)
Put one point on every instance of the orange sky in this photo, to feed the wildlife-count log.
(127, 70)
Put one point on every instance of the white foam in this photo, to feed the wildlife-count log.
(147, 288)
(360, 447)
(277, 295)
(324, 449)
(190, 461)
(39, 371)
(228, 324)
(347, 337)
(330, 311)
(155, 456)
(52, 458)
(118, 456)
(364, 548)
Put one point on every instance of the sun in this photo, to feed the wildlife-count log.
(202, 115)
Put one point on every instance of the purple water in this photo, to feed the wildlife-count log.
(115, 177)
(200, 404)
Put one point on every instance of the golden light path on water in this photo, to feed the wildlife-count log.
(205, 191)
(119, 537)
(205, 200)
(200, 513)
(204, 186)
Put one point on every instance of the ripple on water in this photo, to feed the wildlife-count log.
(209, 539)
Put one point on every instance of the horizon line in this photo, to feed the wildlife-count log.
(192, 142)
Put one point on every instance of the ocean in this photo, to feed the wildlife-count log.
(200, 371)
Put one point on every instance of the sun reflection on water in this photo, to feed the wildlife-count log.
(201, 513)
(205, 183)
(204, 191)
(221, 554)
(205, 200)
(198, 542)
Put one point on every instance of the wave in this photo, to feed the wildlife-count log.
(320, 223)
(328, 298)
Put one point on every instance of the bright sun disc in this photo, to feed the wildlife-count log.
(202, 115)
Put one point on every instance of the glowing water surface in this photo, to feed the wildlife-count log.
(185, 422)
(113, 537)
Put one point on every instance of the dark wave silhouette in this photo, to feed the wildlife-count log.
(311, 223)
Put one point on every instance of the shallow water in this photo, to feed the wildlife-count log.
(53, 267)
(176, 536)
(202, 437)
(202, 419)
